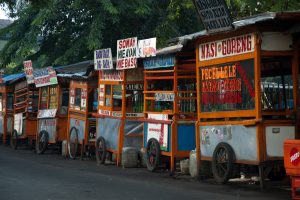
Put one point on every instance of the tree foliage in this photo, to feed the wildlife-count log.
(62, 32)
(59, 32)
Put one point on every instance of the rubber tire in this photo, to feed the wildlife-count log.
(230, 163)
(277, 175)
(75, 143)
(101, 158)
(45, 143)
(155, 165)
(14, 142)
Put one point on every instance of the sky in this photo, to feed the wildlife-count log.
(2, 14)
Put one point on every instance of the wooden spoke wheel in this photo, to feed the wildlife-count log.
(222, 163)
(152, 154)
(42, 142)
(100, 150)
(73, 143)
(14, 139)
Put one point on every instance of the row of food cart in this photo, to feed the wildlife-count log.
(232, 96)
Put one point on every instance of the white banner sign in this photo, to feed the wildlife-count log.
(226, 47)
(158, 131)
(48, 113)
(18, 123)
(127, 53)
(111, 75)
(147, 47)
(103, 59)
(164, 96)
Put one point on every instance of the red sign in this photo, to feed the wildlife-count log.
(127, 53)
(295, 156)
(226, 47)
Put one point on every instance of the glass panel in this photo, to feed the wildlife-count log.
(93, 100)
(227, 87)
(64, 101)
(77, 98)
(117, 97)
(276, 84)
(108, 95)
(135, 98)
(10, 101)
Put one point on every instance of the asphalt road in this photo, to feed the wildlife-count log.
(26, 175)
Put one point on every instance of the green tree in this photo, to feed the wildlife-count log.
(62, 32)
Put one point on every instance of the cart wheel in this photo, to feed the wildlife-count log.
(73, 143)
(100, 150)
(222, 162)
(152, 154)
(277, 173)
(14, 139)
(42, 142)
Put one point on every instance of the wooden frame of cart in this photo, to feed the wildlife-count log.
(25, 112)
(120, 111)
(170, 107)
(82, 104)
(7, 107)
(247, 82)
(53, 110)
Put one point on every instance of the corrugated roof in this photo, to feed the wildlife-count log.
(13, 77)
(84, 68)
(180, 42)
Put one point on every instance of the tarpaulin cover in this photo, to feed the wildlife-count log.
(136, 128)
(79, 125)
(108, 128)
(48, 125)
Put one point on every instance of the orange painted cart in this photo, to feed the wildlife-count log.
(25, 112)
(120, 110)
(7, 107)
(170, 107)
(52, 114)
(247, 86)
(82, 103)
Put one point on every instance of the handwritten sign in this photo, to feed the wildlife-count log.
(227, 86)
(45, 77)
(83, 99)
(101, 94)
(214, 14)
(164, 96)
(28, 71)
(127, 53)
(47, 113)
(111, 75)
(103, 59)
(147, 47)
(159, 62)
(226, 47)
(104, 112)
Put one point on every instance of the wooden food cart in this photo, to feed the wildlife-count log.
(169, 106)
(120, 110)
(247, 86)
(82, 103)
(7, 107)
(53, 109)
(25, 112)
